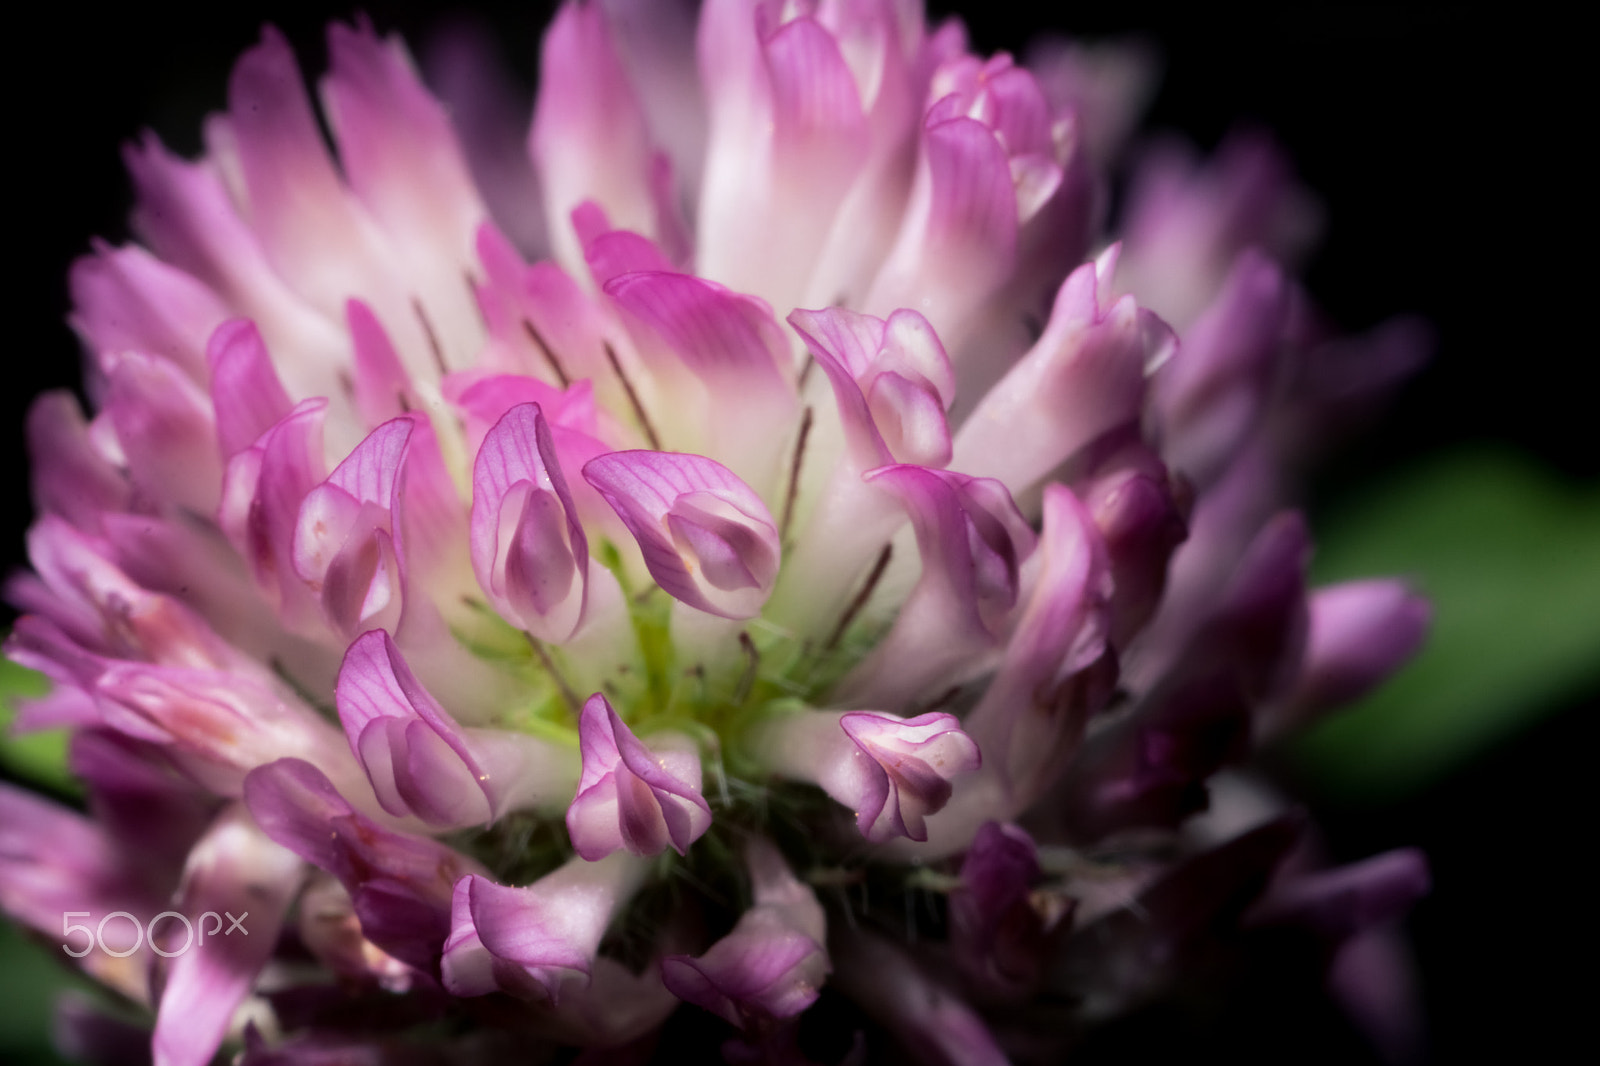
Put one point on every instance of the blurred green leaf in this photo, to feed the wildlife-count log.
(1510, 556)
(41, 757)
(30, 981)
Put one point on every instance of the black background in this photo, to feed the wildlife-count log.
(1444, 149)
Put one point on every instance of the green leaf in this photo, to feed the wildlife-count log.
(30, 981)
(41, 757)
(1510, 556)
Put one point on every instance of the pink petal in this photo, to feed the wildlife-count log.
(589, 139)
(235, 870)
(1211, 395)
(71, 478)
(382, 386)
(707, 539)
(1361, 633)
(892, 381)
(127, 300)
(972, 541)
(416, 755)
(630, 796)
(532, 940)
(400, 885)
(245, 391)
(726, 339)
(344, 540)
(529, 550)
(772, 964)
(997, 934)
(396, 145)
(915, 758)
(1031, 717)
(1083, 380)
(164, 425)
(261, 499)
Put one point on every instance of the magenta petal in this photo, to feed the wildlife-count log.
(396, 144)
(814, 95)
(70, 476)
(972, 541)
(517, 926)
(612, 253)
(1212, 393)
(235, 870)
(186, 215)
(892, 381)
(566, 343)
(400, 884)
(973, 211)
(345, 537)
(1083, 380)
(1032, 716)
(245, 390)
(908, 776)
(1361, 632)
(995, 930)
(261, 498)
(969, 533)
(414, 752)
(707, 538)
(298, 205)
(589, 139)
(1142, 524)
(382, 386)
(758, 969)
(772, 964)
(103, 609)
(1340, 903)
(54, 859)
(934, 1024)
(630, 796)
(164, 425)
(529, 550)
(726, 339)
(530, 941)
(127, 300)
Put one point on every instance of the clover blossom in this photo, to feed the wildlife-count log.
(776, 546)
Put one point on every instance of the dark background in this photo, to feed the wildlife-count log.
(1444, 149)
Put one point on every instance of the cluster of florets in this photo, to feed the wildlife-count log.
(828, 566)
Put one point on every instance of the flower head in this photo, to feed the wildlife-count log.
(470, 564)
